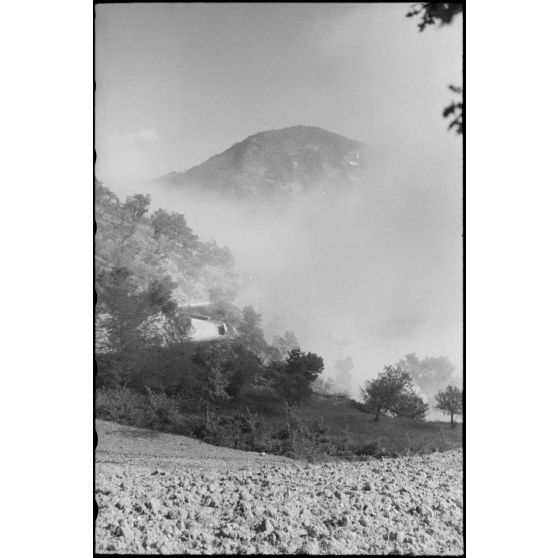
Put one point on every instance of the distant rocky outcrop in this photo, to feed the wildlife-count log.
(279, 163)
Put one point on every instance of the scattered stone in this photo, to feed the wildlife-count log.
(245, 495)
(139, 508)
(310, 547)
(124, 504)
(343, 521)
(154, 505)
(320, 531)
(173, 514)
(125, 532)
(265, 526)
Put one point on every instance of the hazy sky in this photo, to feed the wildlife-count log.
(376, 279)
(177, 83)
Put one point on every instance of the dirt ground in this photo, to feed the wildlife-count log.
(164, 493)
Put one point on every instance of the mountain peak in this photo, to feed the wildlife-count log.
(275, 163)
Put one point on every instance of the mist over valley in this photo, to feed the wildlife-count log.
(332, 242)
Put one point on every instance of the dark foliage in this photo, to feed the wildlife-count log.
(315, 430)
(391, 392)
(294, 377)
(250, 331)
(442, 13)
(242, 369)
(432, 13)
(409, 405)
(455, 110)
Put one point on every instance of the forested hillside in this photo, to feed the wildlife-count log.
(153, 246)
(150, 267)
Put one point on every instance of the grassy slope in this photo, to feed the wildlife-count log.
(357, 427)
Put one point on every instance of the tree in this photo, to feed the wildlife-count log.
(409, 405)
(131, 322)
(251, 332)
(151, 246)
(383, 393)
(136, 207)
(295, 376)
(430, 374)
(455, 108)
(450, 401)
(431, 13)
(106, 201)
(442, 13)
(173, 226)
(144, 265)
(123, 239)
(242, 367)
(211, 359)
(286, 343)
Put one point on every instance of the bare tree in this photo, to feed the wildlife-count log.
(450, 401)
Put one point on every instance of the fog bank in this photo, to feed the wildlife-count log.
(375, 274)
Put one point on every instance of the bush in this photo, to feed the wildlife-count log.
(204, 428)
(240, 431)
(368, 449)
(165, 411)
(122, 405)
(409, 405)
(161, 368)
(155, 410)
(301, 440)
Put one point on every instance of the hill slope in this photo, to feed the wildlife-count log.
(279, 163)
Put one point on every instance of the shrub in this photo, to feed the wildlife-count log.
(165, 411)
(368, 449)
(204, 428)
(121, 405)
(302, 440)
(155, 410)
(409, 405)
(241, 431)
